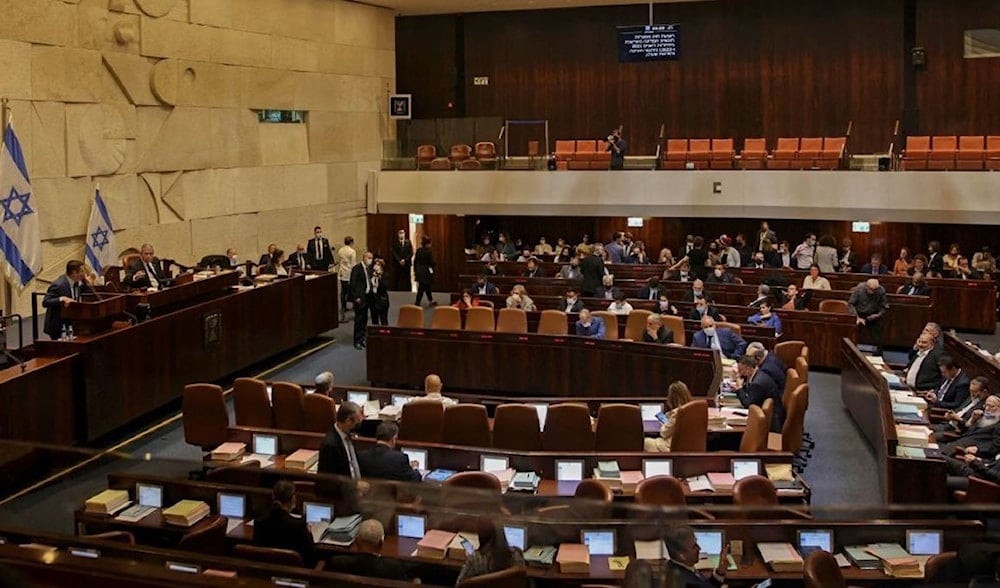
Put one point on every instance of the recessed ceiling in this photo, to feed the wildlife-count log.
(415, 7)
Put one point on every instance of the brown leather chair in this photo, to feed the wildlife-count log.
(480, 491)
(440, 164)
(480, 319)
(421, 420)
(446, 317)
(755, 435)
(486, 154)
(251, 404)
(754, 491)
(792, 381)
(802, 367)
(470, 165)
(787, 351)
(425, 155)
(676, 326)
(287, 404)
(936, 564)
(619, 428)
(610, 323)
(768, 407)
(795, 419)
(591, 489)
(459, 153)
(553, 322)
(835, 306)
(660, 491)
(691, 429)
(821, 571)
(206, 422)
(512, 577)
(272, 555)
(635, 324)
(477, 480)
(980, 492)
(115, 536)
(207, 537)
(516, 427)
(411, 316)
(568, 428)
(320, 413)
(735, 327)
(513, 320)
(466, 424)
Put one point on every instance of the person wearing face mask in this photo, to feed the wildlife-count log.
(361, 292)
(848, 258)
(681, 274)
(620, 305)
(805, 253)
(758, 261)
(730, 256)
(663, 306)
(714, 255)
(697, 291)
(607, 291)
(298, 259)
(402, 261)
(724, 339)
(320, 255)
(505, 247)
(563, 255)
(571, 303)
(543, 248)
(702, 308)
(484, 287)
(954, 388)
(719, 275)
(347, 258)
(570, 271)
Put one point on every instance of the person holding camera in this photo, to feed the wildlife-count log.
(617, 146)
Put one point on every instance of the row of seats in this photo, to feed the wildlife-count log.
(460, 156)
(948, 152)
(789, 153)
(582, 154)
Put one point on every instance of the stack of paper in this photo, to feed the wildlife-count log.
(372, 409)
(107, 502)
(859, 556)
(435, 544)
(895, 560)
(607, 473)
(699, 484)
(455, 549)
(651, 550)
(892, 378)
(186, 513)
(540, 555)
(631, 479)
(525, 481)
(343, 530)
(573, 558)
(716, 418)
(721, 480)
(390, 412)
(900, 397)
(229, 451)
(914, 435)
(780, 557)
(303, 459)
(505, 476)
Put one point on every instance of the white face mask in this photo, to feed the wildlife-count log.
(702, 309)
(319, 235)
(664, 305)
(718, 273)
(710, 331)
(698, 292)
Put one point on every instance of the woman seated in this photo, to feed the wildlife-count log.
(951, 258)
(467, 300)
(903, 264)
(655, 331)
(519, 299)
(620, 305)
(277, 265)
(666, 257)
(814, 281)
(766, 318)
(677, 396)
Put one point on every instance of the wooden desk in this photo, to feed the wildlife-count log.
(970, 359)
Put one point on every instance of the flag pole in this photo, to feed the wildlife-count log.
(8, 294)
(5, 113)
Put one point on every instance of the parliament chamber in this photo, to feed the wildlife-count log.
(507, 294)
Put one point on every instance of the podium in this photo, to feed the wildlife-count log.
(96, 316)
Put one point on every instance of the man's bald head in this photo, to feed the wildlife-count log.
(432, 384)
(707, 321)
(872, 284)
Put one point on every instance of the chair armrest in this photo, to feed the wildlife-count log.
(320, 566)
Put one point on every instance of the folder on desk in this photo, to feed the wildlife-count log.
(779, 472)
(631, 479)
(914, 435)
(699, 484)
(435, 544)
(540, 555)
(780, 557)
(573, 558)
(107, 502)
(228, 451)
(186, 513)
(303, 459)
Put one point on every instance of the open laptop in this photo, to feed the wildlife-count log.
(318, 517)
(569, 470)
(234, 507)
(359, 398)
(265, 447)
(516, 536)
(743, 468)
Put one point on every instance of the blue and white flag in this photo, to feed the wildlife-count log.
(100, 236)
(20, 243)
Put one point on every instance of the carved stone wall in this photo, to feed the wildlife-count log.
(154, 100)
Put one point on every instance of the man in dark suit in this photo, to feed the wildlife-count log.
(532, 270)
(299, 259)
(608, 290)
(265, 258)
(956, 421)
(320, 255)
(954, 388)
(758, 387)
(145, 272)
(916, 287)
(684, 554)
(935, 261)
(720, 275)
(571, 303)
(982, 437)
(922, 372)
(651, 291)
(280, 529)
(697, 291)
(724, 339)
(592, 270)
(875, 267)
(769, 363)
(64, 290)
(703, 307)
(361, 288)
(402, 260)
(338, 458)
(383, 461)
(483, 286)
(366, 560)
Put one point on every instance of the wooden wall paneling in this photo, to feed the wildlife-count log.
(425, 63)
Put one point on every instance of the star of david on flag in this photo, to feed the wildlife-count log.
(20, 243)
(100, 236)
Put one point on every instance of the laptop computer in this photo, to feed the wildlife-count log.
(318, 517)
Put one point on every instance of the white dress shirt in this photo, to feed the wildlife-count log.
(911, 374)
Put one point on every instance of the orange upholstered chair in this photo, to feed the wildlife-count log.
(722, 154)
(675, 154)
(512, 320)
(795, 419)
(676, 326)
(466, 424)
(446, 317)
(610, 323)
(699, 152)
(320, 413)
(787, 351)
(480, 319)
(660, 491)
(837, 306)
(287, 403)
(568, 428)
(809, 151)
(691, 429)
(516, 427)
(486, 154)
(971, 153)
(459, 153)
(553, 322)
(916, 152)
(832, 153)
(635, 324)
(425, 155)
(440, 164)
(585, 150)
(754, 154)
(411, 316)
(565, 150)
(943, 150)
(784, 154)
(602, 158)
(619, 428)
(755, 435)
(993, 152)
(470, 165)
(251, 404)
(421, 420)
(821, 570)
(206, 422)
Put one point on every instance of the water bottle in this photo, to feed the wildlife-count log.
(62, 337)
(69, 333)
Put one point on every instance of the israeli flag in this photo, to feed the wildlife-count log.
(100, 236)
(19, 241)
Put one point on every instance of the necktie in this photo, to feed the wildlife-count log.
(151, 274)
(319, 250)
(352, 458)
(368, 282)
(943, 390)
(76, 291)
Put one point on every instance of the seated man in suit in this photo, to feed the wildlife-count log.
(916, 287)
(982, 437)
(571, 303)
(590, 326)
(763, 294)
(607, 290)
(684, 554)
(758, 261)
(366, 559)
(681, 274)
(299, 259)
(432, 390)
(769, 363)
(963, 271)
(383, 461)
(145, 272)
(875, 267)
(957, 421)
(697, 291)
(923, 373)
(337, 457)
(703, 307)
(651, 291)
(571, 271)
(720, 275)
(724, 339)
(278, 528)
(484, 286)
(758, 387)
(64, 290)
(954, 388)
(532, 270)
(655, 332)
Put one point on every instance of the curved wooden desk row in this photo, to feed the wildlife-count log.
(533, 364)
(972, 361)
(960, 304)
(865, 394)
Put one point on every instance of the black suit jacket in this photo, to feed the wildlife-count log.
(929, 374)
(985, 439)
(298, 261)
(143, 282)
(911, 290)
(423, 263)
(776, 369)
(386, 464)
(852, 260)
(61, 286)
(324, 246)
(401, 252)
(694, 316)
(538, 273)
(957, 394)
(759, 389)
(333, 460)
(379, 297)
(935, 263)
(663, 336)
(689, 295)
(606, 293)
(370, 566)
(645, 292)
(685, 578)
(592, 270)
(359, 283)
(277, 528)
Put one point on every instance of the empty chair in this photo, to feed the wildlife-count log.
(553, 322)
(787, 351)
(440, 164)
(565, 150)
(792, 381)
(446, 317)
(768, 407)
(470, 164)
(802, 367)
(486, 154)
(512, 577)
(755, 435)
(287, 403)
(425, 155)
(591, 489)
(699, 152)
(635, 324)
(691, 428)
(459, 153)
(784, 154)
(821, 570)
(320, 412)
(837, 306)
(568, 428)
(273, 555)
(832, 153)
(754, 491)
(809, 151)
(971, 153)
(516, 427)
(411, 316)
(251, 404)
(619, 428)
(479, 491)
(585, 150)
(754, 154)
(676, 326)
(513, 320)
(675, 154)
(914, 157)
(479, 318)
(992, 155)
(980, 492)
(660, 491)
(207, 537)
(795, 419)
(206, 422)
(735, 327)
(534, 151)
(610, 323)
(722, 154)
(942, 154)
(477, 480)
(466, 424)
(421, 420)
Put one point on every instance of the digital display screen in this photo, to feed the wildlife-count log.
(923, 542)
(743, 468)
(400, 399)
(411, 526)
(516, 536)
(649, 411)
(317, 513)
(232, 506)
(599, 542)
(657, 467)
(359, 398)
(710, 542)
(648, 43)
(149, 495)
(569, 470)
(417, 455)
(493, 463)
(815, 539)
(265, 444)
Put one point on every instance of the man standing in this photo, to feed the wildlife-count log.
(868, 304)
(423, 270)
(402, 261)
(347, 258)
(805, 252)
(615, 249)
(320, 255)
(65, 289)
(361, 295)
(338, 458)
(591, 269)
(618, 147)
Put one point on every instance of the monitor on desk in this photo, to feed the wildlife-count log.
(744, 468)
(493, 463)
(657, 467)
(811, 540)
(923, 541)
(649, 411)
(710, 542)
(316, 512)
(411, 526)
(149, 495)
(516, 536)
(359, 398)
(417, 455)
(599, 541)
(232, 506)
(265, 444)
(400, 399)
(569, 470)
